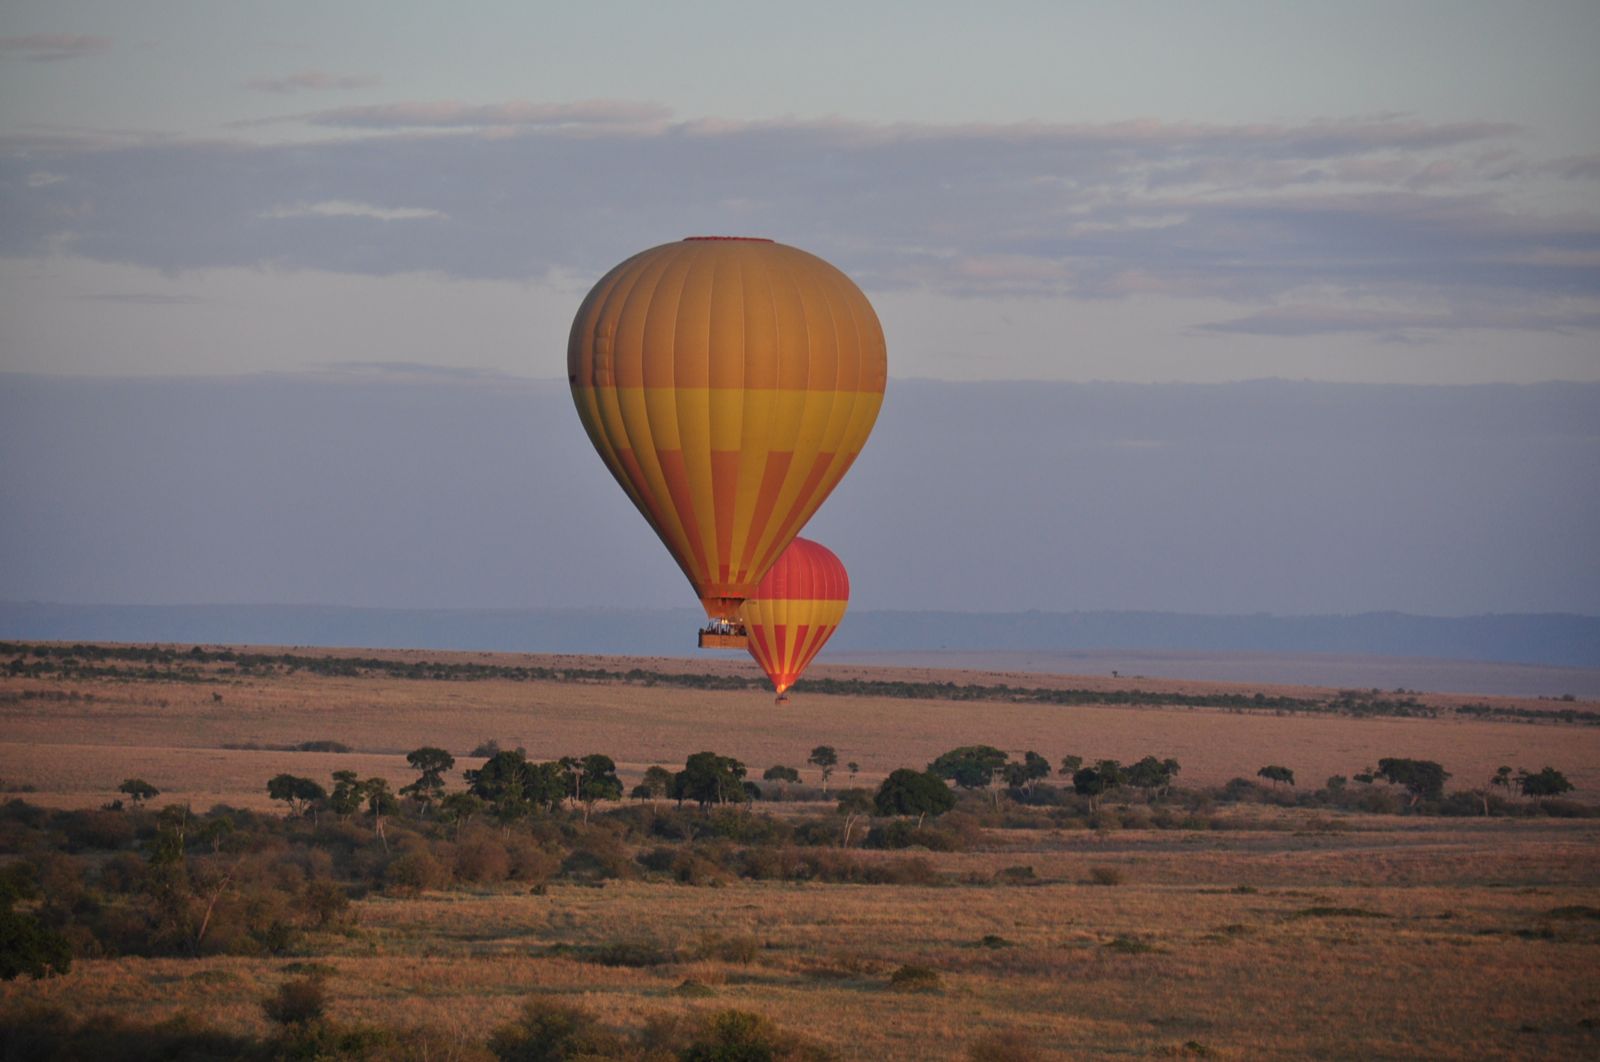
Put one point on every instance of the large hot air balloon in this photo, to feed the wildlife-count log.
(728, 383)
(795, 610)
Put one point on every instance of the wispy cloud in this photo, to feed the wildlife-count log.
(449, 114)
(1305, 320)
(342, 208)
(1279, 219)
(51, 47)
(140, 298)
(313, 81)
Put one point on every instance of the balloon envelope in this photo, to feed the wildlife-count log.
(795, 610)
(728, 384)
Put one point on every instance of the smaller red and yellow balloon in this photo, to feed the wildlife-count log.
(795, 609)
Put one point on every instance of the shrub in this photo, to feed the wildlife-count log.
(297, 1001)
(740, 1036)
(482, 858)
(1002, 1045)
(740, 949)
(415, 871)
(914, 978)
(550, 1031)
(1106, 876)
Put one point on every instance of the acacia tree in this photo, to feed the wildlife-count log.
(826, 758)
(298, 793)
(1423, 779)
(780, 773)
(380, 804)
(1545, 784)
(656, 784)
(971, 766)
(345, 800)
(909, 792)
(1276, 775)
(458, 809)
(1152, 775)
(1070, 765)
(708, 779)
(855, 805)
(596, 780)
(431, 763)
(1028, 773)
(1095, 782)
(138, 790)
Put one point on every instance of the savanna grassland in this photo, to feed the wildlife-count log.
(1203, 919)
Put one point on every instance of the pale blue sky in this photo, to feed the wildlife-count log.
(1139, 191)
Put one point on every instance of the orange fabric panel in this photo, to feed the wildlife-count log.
(728, 384)
(795, 610)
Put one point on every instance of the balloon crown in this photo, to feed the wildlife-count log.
(745, 239)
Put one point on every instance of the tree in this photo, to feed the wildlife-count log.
(909, 792)
(460, 808)
(855, 805)
(1276, 775)
(656, 784)
(854, 768)
(826, 759)
(1151, 774)
(138, 790)
(28, 946)
(779, 773)
(1094, 782)
(431, 763)
(707, 779)
(345, 800)
(1547, 783)
(970, 766)
(1423, 779)
(298, 793)
(1028, 773)
(596, 780)
(1070, 765)
(380, 803)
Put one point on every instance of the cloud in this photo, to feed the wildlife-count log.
(1303, 320)
(454, 115)
(140, 298)
(313, 81)
(51, 47)
(1328, 213)
(341, 208)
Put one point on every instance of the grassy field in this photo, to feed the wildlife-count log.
(1277, 932)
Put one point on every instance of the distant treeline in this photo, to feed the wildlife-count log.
(198, 664)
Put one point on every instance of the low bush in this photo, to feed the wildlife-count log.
(916, 978)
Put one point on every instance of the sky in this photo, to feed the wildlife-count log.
(1139, 192)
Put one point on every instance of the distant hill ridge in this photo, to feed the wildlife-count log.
(1555, 639)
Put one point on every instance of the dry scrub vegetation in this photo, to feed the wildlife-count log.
(1189, 925)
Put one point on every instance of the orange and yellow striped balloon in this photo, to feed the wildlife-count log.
(795, 610)
(728, 384)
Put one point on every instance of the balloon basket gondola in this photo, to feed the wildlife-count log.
(782, 698)
(713, 639)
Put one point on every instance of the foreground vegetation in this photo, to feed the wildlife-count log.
(1380, 890)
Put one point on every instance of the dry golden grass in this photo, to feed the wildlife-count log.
(1317, 935)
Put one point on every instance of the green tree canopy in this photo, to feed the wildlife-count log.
(1276, 774)
(298, 793)
(970, 766)
(909, 792)
(707, 778)
(1423, 779)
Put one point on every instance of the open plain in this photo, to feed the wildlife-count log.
(1247, 928)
